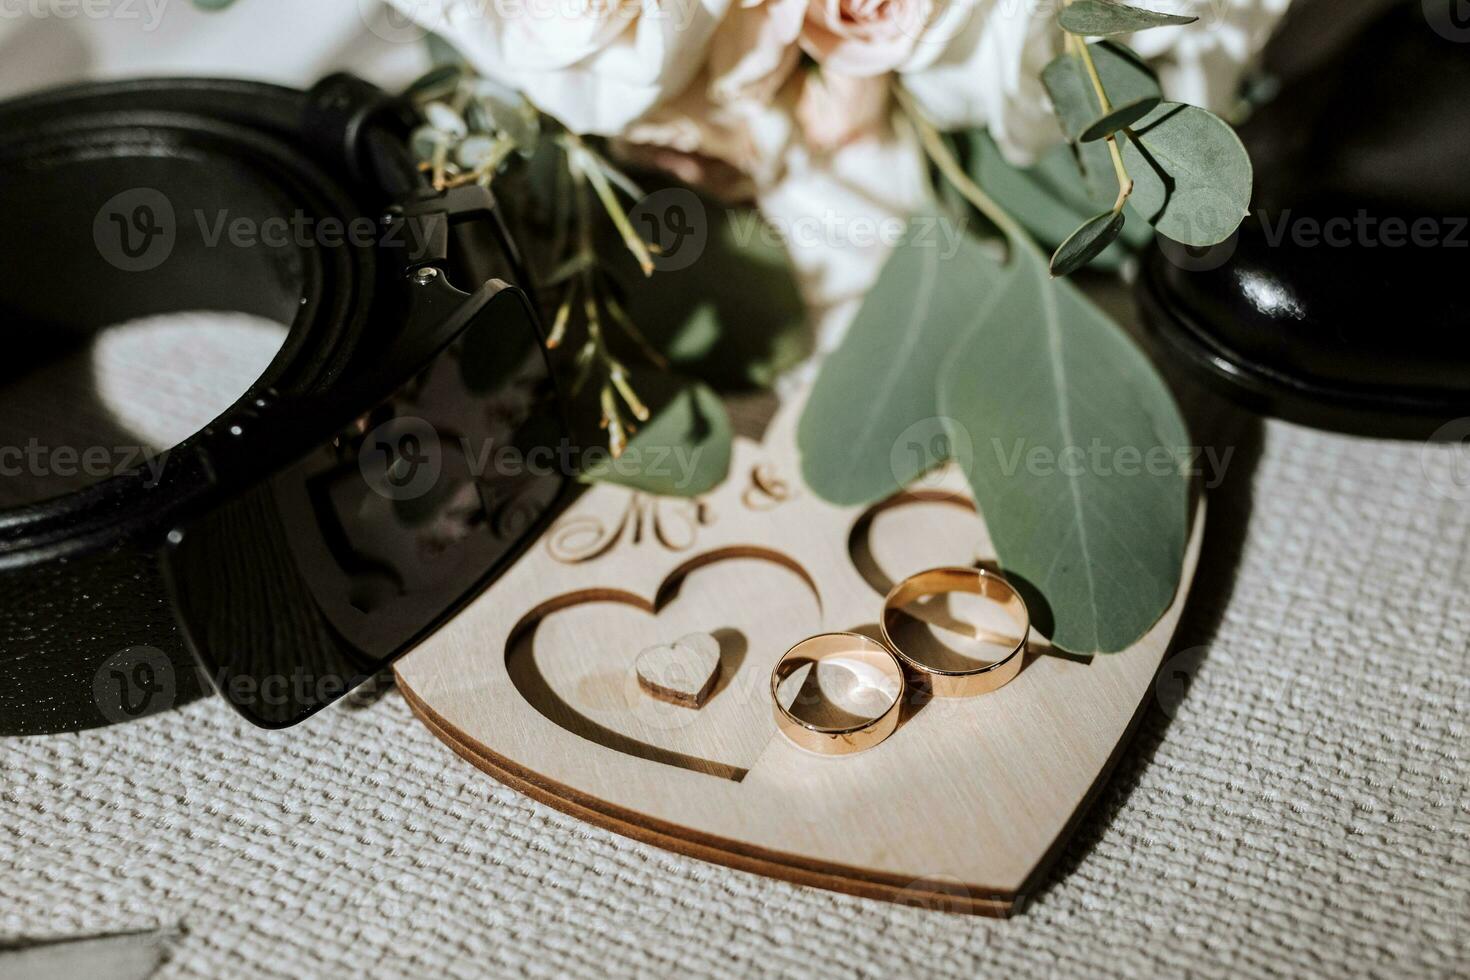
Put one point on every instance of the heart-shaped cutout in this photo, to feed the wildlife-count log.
(683, 672)
(576, 659)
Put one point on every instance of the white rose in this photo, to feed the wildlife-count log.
(979, 64)
(841, 213)
(596, 65)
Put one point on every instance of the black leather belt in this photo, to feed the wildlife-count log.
(341, 509)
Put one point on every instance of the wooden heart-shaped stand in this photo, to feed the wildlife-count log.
(536, 683)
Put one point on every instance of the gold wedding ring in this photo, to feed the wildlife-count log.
(977, 581)
(875, 672)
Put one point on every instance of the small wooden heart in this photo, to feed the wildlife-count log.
(683, 672)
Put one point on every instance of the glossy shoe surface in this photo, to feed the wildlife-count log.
(1343, 301)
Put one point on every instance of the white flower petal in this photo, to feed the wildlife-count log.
(594, 68)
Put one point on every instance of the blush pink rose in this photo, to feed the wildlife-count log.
(835, 110)
(864, 37)
(688, 132)
(754, 49)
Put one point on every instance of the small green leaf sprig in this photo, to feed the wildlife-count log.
(1178, 167)
(473, 129)
(1182, 168)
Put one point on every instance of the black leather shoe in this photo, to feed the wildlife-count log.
(1343, 301)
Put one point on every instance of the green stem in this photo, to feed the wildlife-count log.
(581, 269)
(1079, 47)
(619, 378)
(1125, 182)
(622, 319)
(563, 315)
(617, 436)
(939, 152)
(588, 164)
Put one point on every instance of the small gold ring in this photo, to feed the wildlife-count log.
(961, 683)
(870, 661)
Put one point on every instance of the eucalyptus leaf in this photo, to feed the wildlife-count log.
(1119, 117)
(1084, 244)
(871, 420)
(729, 312)
(1103, 18)
(1192, 175)
(1053, 196)
(212, 4)
(1132, 90)
(1076, 463)
(1031, 196)
(1099, 176)
(682, 451)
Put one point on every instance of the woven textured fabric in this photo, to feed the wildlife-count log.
(1294, 802)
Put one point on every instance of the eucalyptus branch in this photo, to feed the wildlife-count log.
(1125, 182)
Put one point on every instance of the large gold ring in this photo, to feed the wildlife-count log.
(961, 683)
(871, 663)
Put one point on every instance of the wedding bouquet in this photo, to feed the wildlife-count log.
(741, 95)
(987, 148)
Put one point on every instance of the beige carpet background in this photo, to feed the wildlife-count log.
(1294, 803)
